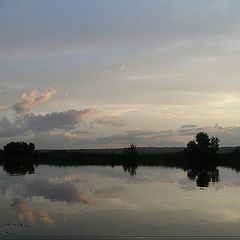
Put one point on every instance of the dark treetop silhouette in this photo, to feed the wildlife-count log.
(202, 159)
(19, 158)
(19, 148)
(203, 145)
(130, 161)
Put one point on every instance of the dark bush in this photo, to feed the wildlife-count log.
(19, 148)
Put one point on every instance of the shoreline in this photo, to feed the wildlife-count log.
(78, 158)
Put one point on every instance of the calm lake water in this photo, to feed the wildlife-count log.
(105, 201)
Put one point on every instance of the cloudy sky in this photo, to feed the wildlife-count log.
(87, 74)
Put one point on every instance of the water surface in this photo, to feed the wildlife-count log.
(105, 201)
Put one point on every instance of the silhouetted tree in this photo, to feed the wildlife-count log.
(31, 147)
(19, 148)
(214, 143)
(191, 146)
(130, 159)
(131, 152)
(203, 141)
(203, 145)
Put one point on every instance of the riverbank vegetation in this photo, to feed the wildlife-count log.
(201, 152)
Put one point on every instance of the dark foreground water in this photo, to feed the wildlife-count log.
(105, 201)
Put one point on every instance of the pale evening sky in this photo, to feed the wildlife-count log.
(96, 74)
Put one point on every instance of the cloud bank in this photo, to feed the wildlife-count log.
(57, 120)
(43, 123)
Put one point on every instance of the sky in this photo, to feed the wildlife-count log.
(103, 74)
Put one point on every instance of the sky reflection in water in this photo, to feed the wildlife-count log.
(102, 201)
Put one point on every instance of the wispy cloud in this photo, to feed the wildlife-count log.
(189, 126)
(152, 77)
(75, 133)
(112, 121)
(112, 192)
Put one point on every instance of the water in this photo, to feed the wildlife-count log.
(105, 201)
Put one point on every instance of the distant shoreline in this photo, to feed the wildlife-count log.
(141, 150)
(174, 157)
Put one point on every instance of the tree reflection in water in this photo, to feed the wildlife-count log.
(131, 169)
(203, 175)
(18, 167)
